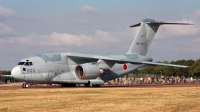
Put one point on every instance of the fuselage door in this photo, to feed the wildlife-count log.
(50, 75)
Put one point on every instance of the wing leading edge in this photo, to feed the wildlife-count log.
(119, 60)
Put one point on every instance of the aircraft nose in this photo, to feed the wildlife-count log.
(16, 71)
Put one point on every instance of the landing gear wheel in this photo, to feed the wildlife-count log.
(96, 85)
(88, 84)
(68, 85)
(25, 85)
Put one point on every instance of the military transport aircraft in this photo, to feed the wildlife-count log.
(69, 69)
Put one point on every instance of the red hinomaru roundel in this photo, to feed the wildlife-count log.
(125, 66)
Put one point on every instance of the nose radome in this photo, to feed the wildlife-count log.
(16, 71)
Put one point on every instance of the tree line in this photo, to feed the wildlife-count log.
(192, 70)
(5, 72)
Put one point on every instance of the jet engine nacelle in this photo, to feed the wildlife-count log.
(87, 71)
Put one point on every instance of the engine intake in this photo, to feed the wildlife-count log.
(87, 71)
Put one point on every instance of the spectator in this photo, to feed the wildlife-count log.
(109, 82)
(120, 80)
(165, 80)
(146, 80)
(157, 80)
(152, 79)
(113, 81)
(126, 80)
(191, 80)
(172, 79)
(132, 80)
(162, 77)
(141, 80)
(182, 79)
(149, 80)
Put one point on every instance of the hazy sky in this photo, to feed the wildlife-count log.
(30, 27)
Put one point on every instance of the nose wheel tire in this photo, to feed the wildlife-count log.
(25, 85)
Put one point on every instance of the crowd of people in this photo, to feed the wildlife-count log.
(152, 80)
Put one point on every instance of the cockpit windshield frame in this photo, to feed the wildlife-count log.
(25, 63)
(21, 63)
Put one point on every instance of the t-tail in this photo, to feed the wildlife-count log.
(145, 35)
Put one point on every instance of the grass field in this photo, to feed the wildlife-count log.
(124, 99)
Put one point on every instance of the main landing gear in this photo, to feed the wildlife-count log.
(68, 85)
(92, 85)
(96, 85)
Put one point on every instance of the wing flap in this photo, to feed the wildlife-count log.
(164, 64)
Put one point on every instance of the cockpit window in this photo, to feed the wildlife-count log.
(25, 63)
(21, 63)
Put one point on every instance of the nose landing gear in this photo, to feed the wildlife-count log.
(25, 85)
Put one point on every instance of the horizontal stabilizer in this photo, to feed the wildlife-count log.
(136, 25)
(161, 23)
(152, 22)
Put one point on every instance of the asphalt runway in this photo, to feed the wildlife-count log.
(18, 86)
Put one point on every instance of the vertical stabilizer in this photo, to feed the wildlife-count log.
(145, 35)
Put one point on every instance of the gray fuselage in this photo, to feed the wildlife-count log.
(47, 68)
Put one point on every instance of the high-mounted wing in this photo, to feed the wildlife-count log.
(118, 60)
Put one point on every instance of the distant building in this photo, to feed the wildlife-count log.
(7, 78)
(1, 77)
